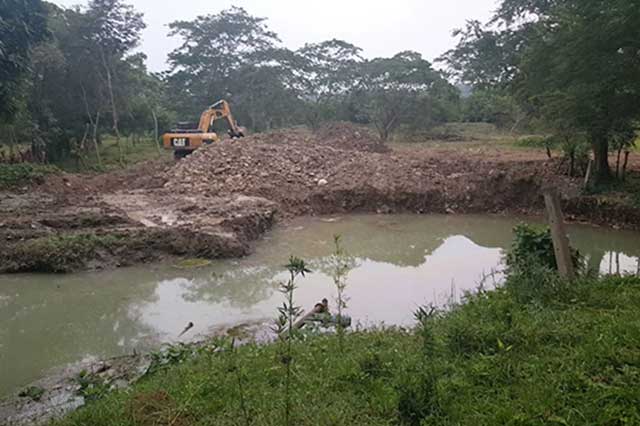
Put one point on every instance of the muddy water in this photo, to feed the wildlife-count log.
(402, 262)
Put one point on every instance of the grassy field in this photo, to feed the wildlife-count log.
(143, 150)
(557, 354)
(469, 136)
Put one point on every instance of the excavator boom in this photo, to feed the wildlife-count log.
(218, 111)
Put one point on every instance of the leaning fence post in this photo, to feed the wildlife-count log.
(559, 234)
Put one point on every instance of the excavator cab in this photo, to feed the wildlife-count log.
(186, 137)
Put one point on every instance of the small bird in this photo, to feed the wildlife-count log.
(187, 328)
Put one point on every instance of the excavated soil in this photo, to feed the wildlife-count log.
(217, 201)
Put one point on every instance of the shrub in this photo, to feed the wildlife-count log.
(534, 247)
(531, 263)
(531, 244)
(12, 175)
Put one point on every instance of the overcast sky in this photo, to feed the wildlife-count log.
(380, 28)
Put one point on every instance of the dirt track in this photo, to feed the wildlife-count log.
(215, 202)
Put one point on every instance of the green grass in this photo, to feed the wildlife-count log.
(56, 253)
(470, 136)
(568, 357)
(453, 132)
(143, 150)
(14, 175)
(536, 142)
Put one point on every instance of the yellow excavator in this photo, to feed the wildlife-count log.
(184, 139)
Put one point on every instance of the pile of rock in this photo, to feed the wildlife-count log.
(274, 165)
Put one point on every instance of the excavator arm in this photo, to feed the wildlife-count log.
(220, 111)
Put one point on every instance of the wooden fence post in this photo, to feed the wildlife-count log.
(559, 234)
(587, 176)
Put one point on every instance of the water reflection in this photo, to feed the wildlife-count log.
(619, 263)
(401, 262)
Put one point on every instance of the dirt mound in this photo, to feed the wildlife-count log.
(258, 166)
(308, 175)
(288, 166)
(280, 136)
(339, 135)
(349, 136)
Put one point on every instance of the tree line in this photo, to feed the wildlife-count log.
(569, 68)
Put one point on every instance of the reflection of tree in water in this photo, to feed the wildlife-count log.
(400, 240)
(405, 240)
(326, 265)
(240, 287)
(596, 244)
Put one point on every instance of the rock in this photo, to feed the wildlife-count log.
(322, 182)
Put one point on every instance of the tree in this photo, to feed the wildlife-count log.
(575, 59)
(492, 105)
(484, 57)
(402, 89)
(204, 68)
(592, 77)
(22, 26)
(113, 28)
(266, 91)
(330, 71)
(82, 74)
(146, 105)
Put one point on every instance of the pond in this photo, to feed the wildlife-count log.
(402, 262)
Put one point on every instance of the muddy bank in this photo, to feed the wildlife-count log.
(69, 388)
(217, 201)
(130, 229)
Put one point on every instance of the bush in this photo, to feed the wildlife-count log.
(12, 175)
(533, 247)
(576, 149)
(531, 265)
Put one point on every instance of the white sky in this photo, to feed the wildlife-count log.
(380, 28)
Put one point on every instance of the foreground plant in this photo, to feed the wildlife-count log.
(236, 368)
(285, 328)
(342, 264)
(425, 316)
